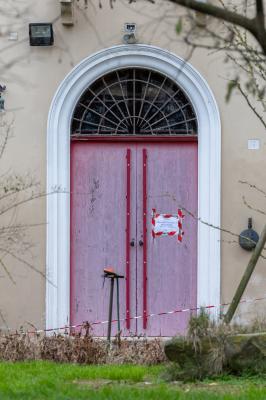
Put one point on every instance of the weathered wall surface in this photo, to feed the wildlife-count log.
(32, 75)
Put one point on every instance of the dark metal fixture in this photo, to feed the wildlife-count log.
(130, 30)
(248, 238)
(41, 34)
(112, 275)
(2, 101)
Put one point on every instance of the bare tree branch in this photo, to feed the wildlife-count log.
(219, 13)
(26, 263)
(244, 94)
(200, 220)
(260, 12)
(7, 271)
(252, 186)
(252, 208)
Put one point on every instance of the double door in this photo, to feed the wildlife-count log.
(114, 188)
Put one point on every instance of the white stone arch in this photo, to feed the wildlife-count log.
(58, 169)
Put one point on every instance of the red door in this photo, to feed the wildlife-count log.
(114, 187)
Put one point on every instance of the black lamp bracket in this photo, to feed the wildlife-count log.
(248, 238)
(2, 89)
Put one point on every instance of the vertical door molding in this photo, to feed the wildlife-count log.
(144, 233)
(128, 232)
(58, 168)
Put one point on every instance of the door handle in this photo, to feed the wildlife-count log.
(132, 243)
(141, 243)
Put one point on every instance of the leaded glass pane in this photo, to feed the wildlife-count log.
(134, 101)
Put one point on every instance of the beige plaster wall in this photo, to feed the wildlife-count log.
(32, 76)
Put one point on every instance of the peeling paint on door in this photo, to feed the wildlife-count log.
(98, 231)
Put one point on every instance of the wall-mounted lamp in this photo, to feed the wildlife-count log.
(67, 12)
(41, 34)
(248, 238)
(2, 101)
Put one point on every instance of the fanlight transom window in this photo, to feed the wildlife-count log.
(134, 101)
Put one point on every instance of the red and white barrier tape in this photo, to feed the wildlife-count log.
(167, 224)
(65, 328)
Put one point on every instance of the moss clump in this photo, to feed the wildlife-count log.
(211, 349)
(246, 352)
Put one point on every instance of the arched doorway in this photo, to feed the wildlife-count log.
(156, 69)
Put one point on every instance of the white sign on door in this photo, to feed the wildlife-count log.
(168, 224)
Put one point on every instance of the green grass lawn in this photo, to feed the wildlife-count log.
(46, 380)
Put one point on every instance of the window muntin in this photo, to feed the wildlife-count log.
(134, 101)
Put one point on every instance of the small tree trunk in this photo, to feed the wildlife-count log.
(246, 277)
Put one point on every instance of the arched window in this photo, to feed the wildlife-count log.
(134, 101)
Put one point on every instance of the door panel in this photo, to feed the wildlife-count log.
(99, 177)
(171, 266)
(98, 230)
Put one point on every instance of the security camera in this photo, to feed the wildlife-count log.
(130, 27)
(130, 30)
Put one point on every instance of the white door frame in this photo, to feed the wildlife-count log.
(58, 169)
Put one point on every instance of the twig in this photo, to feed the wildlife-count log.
(252, 208)
(252, 186)
(250, 105)
(27, 264)
(7, 272)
